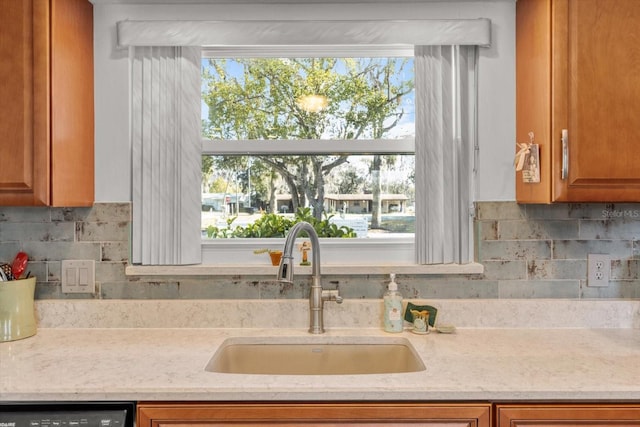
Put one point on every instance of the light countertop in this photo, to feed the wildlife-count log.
(128, 361)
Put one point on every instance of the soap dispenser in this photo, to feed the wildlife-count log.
(393, 321)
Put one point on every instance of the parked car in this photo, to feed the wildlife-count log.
(210, 205)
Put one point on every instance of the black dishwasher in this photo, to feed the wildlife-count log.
(67, 414)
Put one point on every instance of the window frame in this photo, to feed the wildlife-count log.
(398, 250)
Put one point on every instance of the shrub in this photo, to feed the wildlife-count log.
(275, 225)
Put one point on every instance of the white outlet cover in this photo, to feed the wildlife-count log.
(598, 270)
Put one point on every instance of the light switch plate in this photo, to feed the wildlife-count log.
(78, 276)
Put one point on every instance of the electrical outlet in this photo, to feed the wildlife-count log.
(78, 276)
(598, 270)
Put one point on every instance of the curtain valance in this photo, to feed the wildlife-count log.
(305, 32)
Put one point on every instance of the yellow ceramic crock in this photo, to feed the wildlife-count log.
(17, 315)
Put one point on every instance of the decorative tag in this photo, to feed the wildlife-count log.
(531, 170)
(528, 160)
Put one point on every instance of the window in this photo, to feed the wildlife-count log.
(322, 138)
(303, 105)
(166, 154)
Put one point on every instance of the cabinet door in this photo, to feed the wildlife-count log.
(596, 97)
(46, 103)
(72, 107)
(24, 103)
(577, 68)
(313, 414)
(595, 415)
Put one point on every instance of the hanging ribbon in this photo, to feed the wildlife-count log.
(521, 155)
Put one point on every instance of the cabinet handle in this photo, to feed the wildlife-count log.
(565, 154)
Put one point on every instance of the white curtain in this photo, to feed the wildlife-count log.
(166, 155)
(445, 105)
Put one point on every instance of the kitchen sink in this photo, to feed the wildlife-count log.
(305, 356)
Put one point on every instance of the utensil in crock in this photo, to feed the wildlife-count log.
(19, 265)
(6, 269)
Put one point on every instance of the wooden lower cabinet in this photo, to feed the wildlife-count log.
(370, 414)
(313, 414)
(566, 415)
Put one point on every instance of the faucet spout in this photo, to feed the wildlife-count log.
(317, 295)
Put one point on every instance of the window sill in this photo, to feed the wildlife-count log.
(328, 269)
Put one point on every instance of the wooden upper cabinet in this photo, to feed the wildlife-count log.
(578, 69)
(46, 103)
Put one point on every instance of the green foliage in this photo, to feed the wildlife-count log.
(221, 233)
(275, 225)
(219, 185)
(323, 227)
(350, 181)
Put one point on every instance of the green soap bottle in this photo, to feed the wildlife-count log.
(393, 321)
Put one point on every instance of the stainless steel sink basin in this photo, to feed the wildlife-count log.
(304, 356)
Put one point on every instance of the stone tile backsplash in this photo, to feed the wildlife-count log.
(549, 245)
(528, 251)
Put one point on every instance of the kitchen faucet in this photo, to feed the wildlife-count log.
(317, 295)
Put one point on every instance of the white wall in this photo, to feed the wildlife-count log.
(495, 180)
